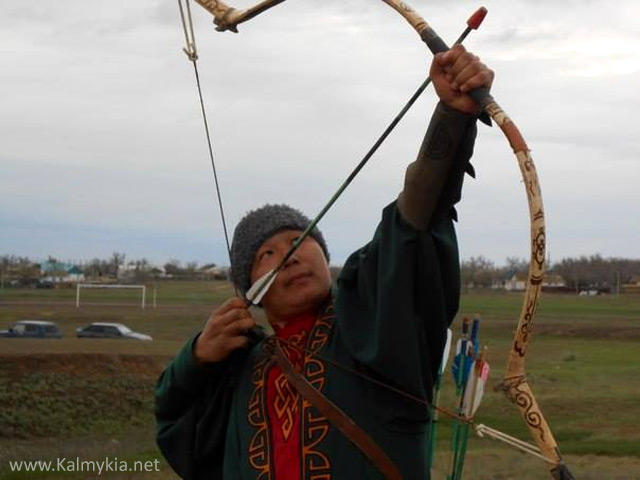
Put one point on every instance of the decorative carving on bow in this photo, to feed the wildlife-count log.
(228, 18)
(514, 382)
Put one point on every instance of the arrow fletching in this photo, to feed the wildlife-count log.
(260, 287)
(475, 385)
(475, 388)
(447, 350)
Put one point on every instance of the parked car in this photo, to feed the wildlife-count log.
(109, 330)
(32, 329)
(45, 284)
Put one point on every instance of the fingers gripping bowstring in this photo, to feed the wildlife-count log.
(192, 53)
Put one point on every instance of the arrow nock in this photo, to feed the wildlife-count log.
(477, 18)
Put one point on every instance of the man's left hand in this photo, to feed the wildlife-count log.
(455, 73)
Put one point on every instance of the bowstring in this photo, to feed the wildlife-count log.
(191, 51)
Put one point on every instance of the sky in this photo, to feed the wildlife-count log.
(102, 146)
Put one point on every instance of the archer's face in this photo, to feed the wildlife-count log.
(303, 282)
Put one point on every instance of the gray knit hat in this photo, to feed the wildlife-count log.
(255, 228)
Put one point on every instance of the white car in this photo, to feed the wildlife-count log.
(110, 330)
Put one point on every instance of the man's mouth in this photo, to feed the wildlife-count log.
(297, 278)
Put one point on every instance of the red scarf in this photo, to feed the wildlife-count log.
(284, 403)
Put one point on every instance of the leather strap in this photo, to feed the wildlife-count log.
(337, 417)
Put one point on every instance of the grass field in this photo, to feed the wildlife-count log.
(93, 398)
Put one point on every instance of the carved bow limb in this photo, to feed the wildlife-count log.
(228, 18)
(514, 382)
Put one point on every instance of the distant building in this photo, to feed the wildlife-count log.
(633, 286)
(160, 272)
(214, 271)
(58, 272)
(553, 280)
(516, 282)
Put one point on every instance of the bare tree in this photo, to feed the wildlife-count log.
(173, 267)
(478, 272)
(117, 259)
(517, 265)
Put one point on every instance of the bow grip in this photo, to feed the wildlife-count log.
(480, 95)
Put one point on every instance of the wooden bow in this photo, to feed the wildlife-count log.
(514, 382)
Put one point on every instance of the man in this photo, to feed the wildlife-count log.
(228, 408)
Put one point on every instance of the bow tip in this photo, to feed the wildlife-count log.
(223, 27)
(561, 472)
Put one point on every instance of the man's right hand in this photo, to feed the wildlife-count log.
(224, 332)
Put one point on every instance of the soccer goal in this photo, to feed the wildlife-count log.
(97, 285)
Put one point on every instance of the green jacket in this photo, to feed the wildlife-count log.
(388, 317)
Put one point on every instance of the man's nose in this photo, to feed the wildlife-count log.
(292, 260)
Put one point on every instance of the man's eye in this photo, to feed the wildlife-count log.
(265, 254)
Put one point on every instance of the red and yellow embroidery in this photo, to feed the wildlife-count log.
(286, 404)
(314, 428)
(259, 447)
